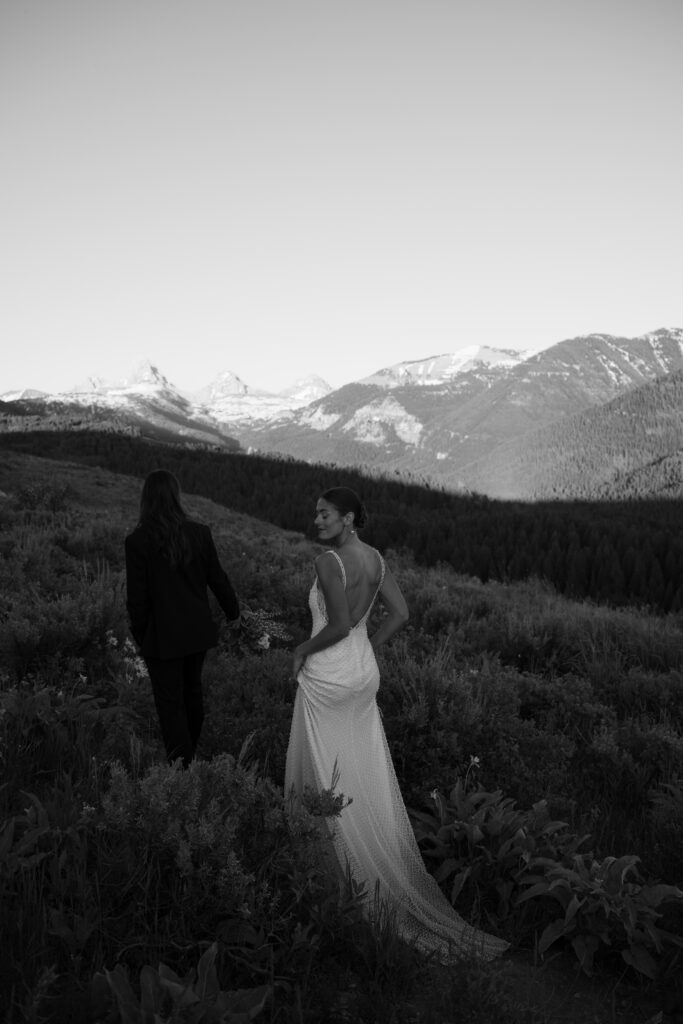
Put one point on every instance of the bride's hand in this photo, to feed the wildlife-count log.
(297, 663)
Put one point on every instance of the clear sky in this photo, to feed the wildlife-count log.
(286, 187)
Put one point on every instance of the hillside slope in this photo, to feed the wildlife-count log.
(629, 448)
(443, 432)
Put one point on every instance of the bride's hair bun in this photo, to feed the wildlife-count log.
(345, 500)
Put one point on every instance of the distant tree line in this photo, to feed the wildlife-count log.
(618, 553)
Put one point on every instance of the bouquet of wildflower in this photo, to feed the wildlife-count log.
(257, 631)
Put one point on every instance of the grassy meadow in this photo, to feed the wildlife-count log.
(537, 740)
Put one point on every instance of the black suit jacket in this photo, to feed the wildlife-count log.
(169, 607)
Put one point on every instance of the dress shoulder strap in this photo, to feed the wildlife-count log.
(341, 564)
(383, 568)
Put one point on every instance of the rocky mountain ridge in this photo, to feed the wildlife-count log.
(451, 419)
(145, 402)
(446, 432)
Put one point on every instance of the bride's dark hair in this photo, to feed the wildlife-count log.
(163, 517)
(345, 500)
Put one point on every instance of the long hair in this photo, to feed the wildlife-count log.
(162, 516)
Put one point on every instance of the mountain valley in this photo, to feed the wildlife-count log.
(596, 415)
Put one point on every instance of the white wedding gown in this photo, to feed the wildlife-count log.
(336, 721)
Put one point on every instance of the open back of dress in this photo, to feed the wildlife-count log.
(336, 721)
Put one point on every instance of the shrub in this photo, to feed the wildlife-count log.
(249, 694)
(49, 906)
(601, 910)
(179, 841)
(44, 730)
(40, 629)
(478, 846)
(195, 999)
(494, 859)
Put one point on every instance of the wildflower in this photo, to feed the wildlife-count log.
(140, 667)
(263, 642)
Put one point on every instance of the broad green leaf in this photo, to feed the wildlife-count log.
(169, 975)
(539, 889)
(246, 1000)
(100, 995)
(458, 883)
(572, 909)
(207, 983)
(552, 933)
(42, 819)
(553, 827)
(126, 1002)
(180, 992)
(446, 868)
(585, 947)
(653, 895)
(475, 834)
(617, 870)
(150, 990)
(639, 958)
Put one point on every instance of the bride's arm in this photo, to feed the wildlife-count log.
(397, 610)
(338, 619)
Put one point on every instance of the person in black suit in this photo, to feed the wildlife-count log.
(171, 560)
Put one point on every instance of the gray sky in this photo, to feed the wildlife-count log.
(285, 187)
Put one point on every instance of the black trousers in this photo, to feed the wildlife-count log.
(177, 689)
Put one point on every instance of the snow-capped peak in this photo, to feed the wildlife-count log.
(225, 385)
(24, 395)
(307, 389)
(442, 368)
(228, 398)
(145, 373)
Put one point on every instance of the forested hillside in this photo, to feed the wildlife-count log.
(621, 553)
(625, 450)
(450, 431)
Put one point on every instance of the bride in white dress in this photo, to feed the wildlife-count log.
(336, 727)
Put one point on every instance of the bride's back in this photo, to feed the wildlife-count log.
(363, 569)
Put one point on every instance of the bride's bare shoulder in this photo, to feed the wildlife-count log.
(328, 562)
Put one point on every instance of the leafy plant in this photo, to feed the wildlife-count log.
(165, 997)
(46, 892)
(43, 728)
(326, 803)
(479, 845)
(601, 908)
(572, 708)
(197, 829)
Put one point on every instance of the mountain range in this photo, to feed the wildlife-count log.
(147, 404)
(593, 416)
